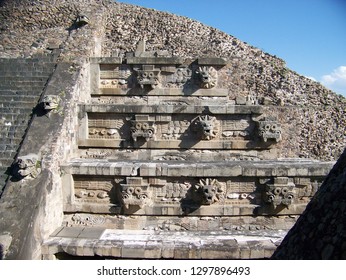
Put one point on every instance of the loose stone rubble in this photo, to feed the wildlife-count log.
(157, 125)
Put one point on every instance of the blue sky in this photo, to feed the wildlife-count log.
(310, 35)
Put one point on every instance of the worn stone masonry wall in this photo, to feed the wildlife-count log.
(37, 196)
(22, 82)
(320, 232)
(114, 29)
(319, 114)
(30, 27)
(84, 177)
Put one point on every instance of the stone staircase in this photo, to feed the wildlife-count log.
(22, 82)
(168, 167)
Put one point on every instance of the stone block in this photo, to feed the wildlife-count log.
(133, 249)
(153, 250)
(91, 233)
(105, 60)
(256, 249)
(148, 170)
(125, 169)
(116, 250)
(244, 250)
(88, 248)
(48, 257)
(80, 247)
(167, 251)
(213, 61)
(215, 252)
(181, 170)
(107, 248)
(155, 60)
(181, 251)
(302, 171)
(240, 100)
(70, 232)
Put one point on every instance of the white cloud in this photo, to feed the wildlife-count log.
(311, 78)
(336, 80)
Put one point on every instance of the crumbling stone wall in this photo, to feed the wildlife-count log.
(320, 232)
(29, 27)
(319, 113)
(312, 118)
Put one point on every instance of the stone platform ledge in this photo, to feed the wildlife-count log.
(150, 244)
(172, 109)
(262, 168)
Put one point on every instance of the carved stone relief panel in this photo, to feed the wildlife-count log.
(132, 195)
(50, 102)
(95, 190)
(286, 191)
(183, 130)
(135, 192)
(307, 187)
(269, 129)
(106, 127)
(149, 73)
(116, 76)
(210, 191)
(208, 126)
(27, 167)
(178, 77)
(143, 126)
(280, 192)
(148, 77)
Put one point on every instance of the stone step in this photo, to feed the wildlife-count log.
(8, 148)
(17, 104)
(13, 130)
(14, 119)
(11, 141)
(16, 110)
(3, 179)
(26, 65)
(19, 97)
(11, 134)
(7, 154)
(25, 74)
(20, 79)
(26, 85)
(7, 162)
(150, 244)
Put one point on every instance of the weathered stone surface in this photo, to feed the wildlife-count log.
(320, 232)
(160, 138)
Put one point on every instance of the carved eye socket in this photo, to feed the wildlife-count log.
(274, 127)
(138, 191)
(138, 125)
(130, 190)
(284, 190)
(145, 125)
(277, 190)
(271, 198)
(144, 74)
(267, 127)
(142, 196)
(290, 197)
(151, 74)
